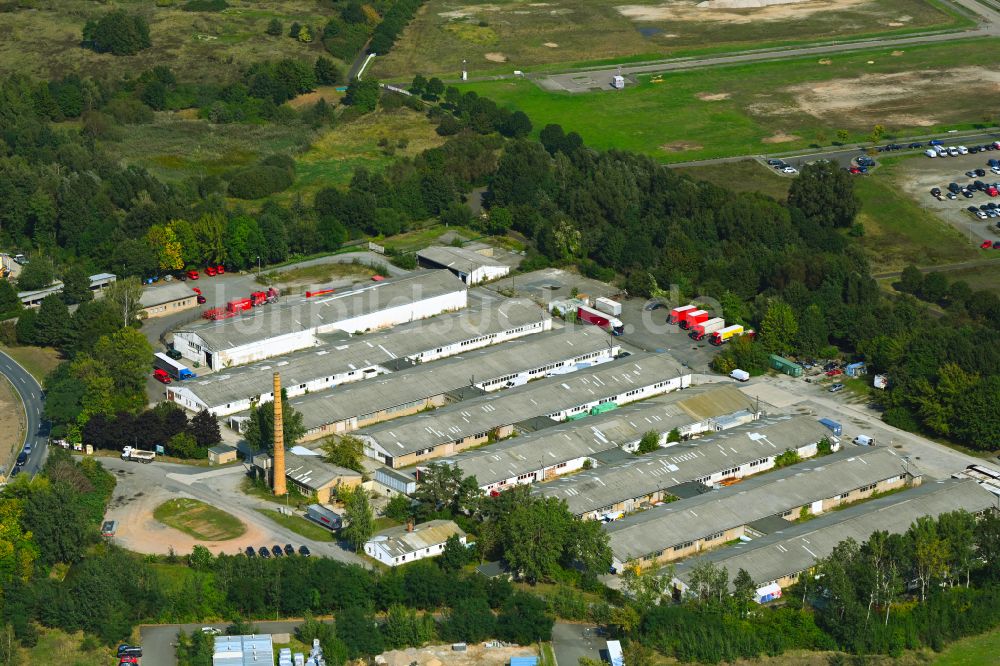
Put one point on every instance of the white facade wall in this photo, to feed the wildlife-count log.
(486, 273)
(638, 393)
(483, 341)
(755, 466)
(375, 549)
(536, 476)
(400, 314)
(193, 347)
(523, 377)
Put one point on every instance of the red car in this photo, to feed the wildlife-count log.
(196, 290)
(201, 299)
(127, 660)
(834, 372)
(161, 376)
(986, 245)
(855, 170)
(193, 275)
(220, 269)
(210, 271)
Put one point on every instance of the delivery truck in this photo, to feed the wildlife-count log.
(607, 322)
(699, 331)
(692, 317)
(168, 365)
(740, 375)
(138, 455)
(608, 306)
(677, 313)
(724, 335)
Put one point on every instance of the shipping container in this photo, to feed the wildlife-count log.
(834, 427)
(782, 364)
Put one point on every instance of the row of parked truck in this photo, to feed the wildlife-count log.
(701, 325)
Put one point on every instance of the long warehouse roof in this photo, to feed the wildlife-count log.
(424, 381)
(302, 314)
(683, 462)
(547, 396)
(586, 437)
(798, 547)
(759, 497)
(403, 341)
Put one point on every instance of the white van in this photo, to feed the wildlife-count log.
(740, 375)
(864, 440)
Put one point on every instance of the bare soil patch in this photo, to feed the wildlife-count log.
(781, 137)
(680, 146)
(328, 93)
(733, 11)
(496, 57)
(825, 61)
(897, 53)
(712, 97)
(551, 45)
(438, 655)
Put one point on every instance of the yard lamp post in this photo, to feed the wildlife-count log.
(258, 266)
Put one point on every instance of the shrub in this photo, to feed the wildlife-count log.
(205, 5)
(258, 181)
(118, 33)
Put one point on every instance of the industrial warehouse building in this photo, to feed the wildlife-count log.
(167, 299)
(470, 266)
(249, 650)
(679, 529)
(308, 371)
(476, 421)
(276, 329)
(777, 560)
(470, 375)
(563, 448)
(308, 472)
(408, 543)
(33, 299)
(607, 492)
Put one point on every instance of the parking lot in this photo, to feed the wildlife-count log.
(922, 175)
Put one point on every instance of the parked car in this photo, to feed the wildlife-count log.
(277, 551)
(211, 631)
(836, 388)
(210, 271)
(289, 549)
(193, 275)
(250, 552)
(304, 551)
(952, 196)
(980, 172)
(201, 299)
(834, 373)
(789, 170)
(264, 552)
(996, 245)
(916, 144)
(985, 245)
(174, 354)
(161, 376)
(220, 269)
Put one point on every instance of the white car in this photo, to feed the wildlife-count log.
(930, 153)
(211, 631)
(962, 150)
(789, 169)
(953, 152)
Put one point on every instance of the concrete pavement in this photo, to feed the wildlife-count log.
(159, 641)
(37, 431)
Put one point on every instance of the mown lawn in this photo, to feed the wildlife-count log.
(771, 107)
(745, 176)
(299, 525)
(973, 651)
(199, 520)
(38, 361)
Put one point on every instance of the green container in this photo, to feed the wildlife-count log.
(605, 407)
(782, 364)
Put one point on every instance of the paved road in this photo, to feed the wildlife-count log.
(37, 433)
(572, 641)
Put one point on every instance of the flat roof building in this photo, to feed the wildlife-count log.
(408, 543)
(167, 299)
(470, 266)
(255, 650)
(232, 390)
(606, 492)
(295, 323)
(451, 429)
(563, 448)
(779, 558)
(679, 529)
(471, 374)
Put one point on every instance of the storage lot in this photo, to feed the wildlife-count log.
(921, 174)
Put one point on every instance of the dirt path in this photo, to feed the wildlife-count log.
(11, 425)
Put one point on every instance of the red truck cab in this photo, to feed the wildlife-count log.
(161, 376)
(193, 275)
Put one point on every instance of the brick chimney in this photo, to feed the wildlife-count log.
(409, 524)
(279, 440)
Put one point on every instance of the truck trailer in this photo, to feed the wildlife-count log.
(677, 313)
(138, 455)
(608, 306)
(607, 322)
(834, 427)
(692, 317)
(168, 365)
(724, 335)
(699, 331)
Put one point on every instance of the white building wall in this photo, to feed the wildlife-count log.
(535, 476)
(400, 314)
(518, 378)
(486, 273)
(632, 395)
(375, 549)
(483, 341)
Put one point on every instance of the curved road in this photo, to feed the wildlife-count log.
(37, 433)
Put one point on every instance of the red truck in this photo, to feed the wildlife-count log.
(239, 305)
(607, 322)
(678, 313)
(161, 376)
(262, 297)
(692, 317)
(699, 331)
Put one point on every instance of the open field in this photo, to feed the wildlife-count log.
(973, 651)
(44, 41)
(11, 426)
(58, 647)
(745, 176)
(300, 525)
(197, 519)
(775, 106)
(39, 361)
(317, 274)
(505, 35)
(980, 277)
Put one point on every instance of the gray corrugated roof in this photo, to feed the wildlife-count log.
(166, 293)
(301, 314)
(457, 258)
(799, 546)
(313, 472)
(424, 381)
(769, 494)
(398, 542)
(546, 396)
(687, 461)
(586, 437)
(404, 341)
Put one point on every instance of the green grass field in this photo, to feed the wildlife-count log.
(980, 277)
(199, 520)
(517, 34)
(974, 651)
(44, 40)
(299, 525)
(39, 361)
(745, 176)
(771, 107)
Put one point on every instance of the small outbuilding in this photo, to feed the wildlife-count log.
(408, 543)
(222, 454)
(471, 266)
(310, 474)
(167, 299)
